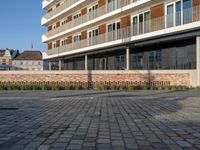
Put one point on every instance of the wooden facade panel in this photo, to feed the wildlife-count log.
(102, 3)
(50, 28)
(84, 11)
(196, 10)
(58, 43)
(157, 17)
(57, 5)
(125, 21)
(83, 35)
(69, 18)
(49, 46)
(69, 39)
(102, 29)
(50, 10)
(57, 24)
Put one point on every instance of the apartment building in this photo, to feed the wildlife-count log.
(135, 35)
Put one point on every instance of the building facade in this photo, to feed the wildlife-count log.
(6, 57)
(28, 60)
(137, 35)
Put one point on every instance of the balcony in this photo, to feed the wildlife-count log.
(171, 23)
(59, 9)
(45, 3)
(89, 16)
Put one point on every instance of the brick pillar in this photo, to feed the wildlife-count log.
(60, 64)
(198, 59)
(127, 58)
(86, 62)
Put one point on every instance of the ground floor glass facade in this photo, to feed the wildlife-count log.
(175, 55)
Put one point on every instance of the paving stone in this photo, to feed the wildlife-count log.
(60, 120)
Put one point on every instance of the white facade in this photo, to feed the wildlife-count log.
(29, 65)
(107, 14)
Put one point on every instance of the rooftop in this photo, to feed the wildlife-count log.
(30, 55)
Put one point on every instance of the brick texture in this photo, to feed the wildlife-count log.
(97, 78)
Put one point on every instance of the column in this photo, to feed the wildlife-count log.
(127, 58)
(86, 62)
(49, 65)
(198, 59)
(60, 64)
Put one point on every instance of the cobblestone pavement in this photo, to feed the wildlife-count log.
(104, 120)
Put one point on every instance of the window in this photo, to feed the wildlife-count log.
(77, 41)
(187, 11)
(93, 11)
(179, 12)
(64, 42)
(141, 23)
(77, 38)
(112, 5)
(113, 31)
(93, 36)
(54, 45)
(170, 16)
(77, 16)
(63, 22)
(154, 59)
(137, 60)
(119, 62)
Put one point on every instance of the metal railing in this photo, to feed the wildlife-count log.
(90, 16)
(126, 33)
(60, 8)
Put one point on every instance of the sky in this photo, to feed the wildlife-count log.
(20, 24)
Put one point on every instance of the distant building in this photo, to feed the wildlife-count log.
(28, 60)
(6, 57)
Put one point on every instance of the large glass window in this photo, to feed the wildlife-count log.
(141, 23)
(93, 11)
(93, 37)
(170, 16)
(137, 61)
(178, 13)
(187, 11)
(179, 55)
(112, 5)
(113, 31)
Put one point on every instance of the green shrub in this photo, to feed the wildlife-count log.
(102, 87)
(115, 87)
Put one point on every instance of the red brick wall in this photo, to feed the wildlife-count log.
(97, 78)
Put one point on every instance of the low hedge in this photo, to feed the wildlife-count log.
(78, 87)
(39, 87)
(140, 87)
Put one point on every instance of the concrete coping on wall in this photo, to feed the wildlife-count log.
(102, 72)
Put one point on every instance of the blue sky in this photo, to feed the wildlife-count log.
(20, 24)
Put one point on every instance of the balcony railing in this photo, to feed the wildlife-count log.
(60, 8)
(125, 34)
(90, 16)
